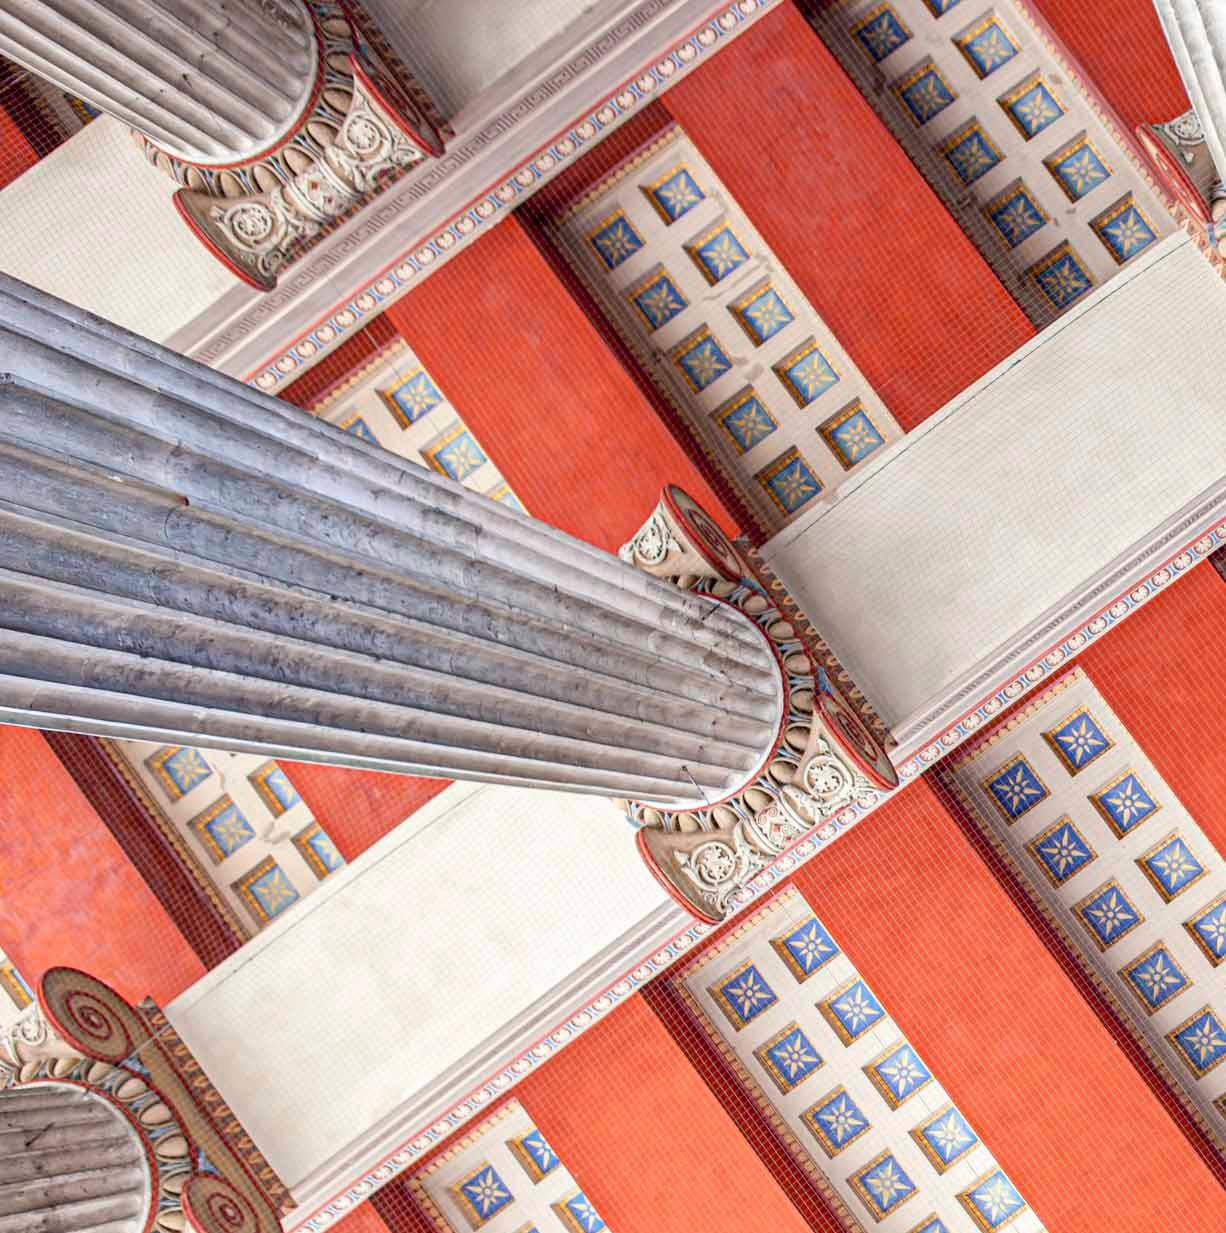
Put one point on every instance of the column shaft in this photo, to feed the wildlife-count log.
(1196, 32)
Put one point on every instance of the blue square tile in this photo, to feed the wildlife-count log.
(1015, 788)
(504, 496)
(1108, 914)
(835, 1121)
(790, 482)
(987, 46)
(579, 1214)
(1155, 977)
(945, 1138)
(806, 373)
(358, 427)
(789, 1058)
(935, 1225)
(226, 827)
(762, 314)
(1200, 1041)
(744, 995)
(883, 1185)
(615, 240)
(1061, 850)
(1078, 740)
(179, 769)
(852, 1010)
(1171, 867)
(413, 398)
(939, 7)
(970, 152)
(881, 32)
(674, 194)
(898, 1074)
(325, 850)
(457, 456)
(1078, 168)
(535, 1154)
(1124, 803)
(1032, 107)
(807, 949)
(274, 788)
(925, 92)
(851, 435)
(1015, 214)
(267, 890)
(746, 420)
(1208, 930)
(701, 359)
(658, 300)
(482, 1195)
(718, 253)
(1061, 277)
(1124, 230)
(992, 1201)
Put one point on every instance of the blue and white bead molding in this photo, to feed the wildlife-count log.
(504, 1177)
(1023, 157)
(689, 284)
(1112, 857)
(852, 1098)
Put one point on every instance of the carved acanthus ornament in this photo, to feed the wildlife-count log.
(1181, 156)
(824, 759)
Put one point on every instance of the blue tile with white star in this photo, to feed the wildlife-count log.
(988, 46)
(274, 788)
(898, 1074)
(925, 92)
(1108, 914)
(358, 427)
(1125, 803)
(806, 373)
(226, 827)
(1200, 1041)
(1015, 788)
(413, 398)
(1016, 214)
(790, 481)
(762, 314)
(458, 456)
(851, 435)
(482, 1195)
(971, 152)
(675, 194)
(658, 300)
(1124, 230)
(789, 1058)
(945, 1138)
(179, 769)
(1171, 867)
(1155, 977)
(747, 421)
(852, 1010)
(534, 1153)
(1078, 168)
(940, 7)
(325, 851)
(273, 891)
(579, 1215)
(992, 1201)
(615, 240)
(1207, 929)
(807, 949)
(1032, 107)
(1061, 851)
(701, 360)
(883, 1185)
(1061, 277)
(835, 1121)
(881, 32)
(744, 995)
(718, 254)
(1078, 740)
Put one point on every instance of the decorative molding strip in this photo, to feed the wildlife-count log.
(221, 347)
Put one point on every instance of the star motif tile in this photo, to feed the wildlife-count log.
(1200, 1041)
(718, 253)
(970, 152)
(1155, 977)
(457, 456)
(932, 1225)
(178, 769)
(789, 1058)
(1078, 740)
(270, 889)
(898, 1074)
(851, 435)
(835, 1121)
(882, 1185)
(356, 426)
(318, 850)
(945, 1138)
(806, 373)
(533, 1152)
(744, 995)
(1016, 214)
(615, 240)
(1108, 914)
(1015, 788)
(1078, 168)
(413, 398)
(1061, 277)
(1208, 930)
(1124, 803)
(482, 1194)
(1061, 851)
(851, 1010)
(274, 788)
(503, 495)
(1171, 867)
(578, 1215)
(987, 46)
(674, 194)
(993, 1201)
(807, 949)
(701, 360)
(762, 314)
(223, 829)
(1032, 106)
(746, 420)
(658, 300)
(924, 92)
(940, 7)
(1124, 230)
(789, 481)
(880, 32)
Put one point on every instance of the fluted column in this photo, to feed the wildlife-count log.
(184, 559)
(208, 80)
(1196, 32)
